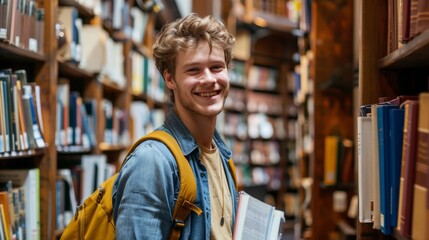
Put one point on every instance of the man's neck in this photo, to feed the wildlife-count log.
(201, 128)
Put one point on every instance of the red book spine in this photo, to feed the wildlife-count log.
(409, 157)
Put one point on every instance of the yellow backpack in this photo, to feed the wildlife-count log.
(94, 218)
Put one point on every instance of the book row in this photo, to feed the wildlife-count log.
(406, 20)
(22, 24)
(393, 165)
(75, 184)
(21, 123)
(258, 77)
(257, 152)
(97, 49)
(146, 79)
(240, 100)
(258, 125)
(338, 160)
(270, 177)
(20, 204)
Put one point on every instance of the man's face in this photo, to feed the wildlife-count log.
(201, 82)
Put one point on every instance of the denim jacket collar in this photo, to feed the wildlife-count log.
(186, 142)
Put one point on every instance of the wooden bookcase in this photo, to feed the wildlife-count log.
(46, 69)
(328, 110)
(383, 74)
(270, 45)
(42, 69)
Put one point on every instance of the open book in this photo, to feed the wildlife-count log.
(257, 220)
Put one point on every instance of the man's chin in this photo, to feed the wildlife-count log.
(212, 112)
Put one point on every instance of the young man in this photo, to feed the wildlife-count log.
(192, 54)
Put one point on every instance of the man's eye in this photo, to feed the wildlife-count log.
(192, 70)
(217, 68)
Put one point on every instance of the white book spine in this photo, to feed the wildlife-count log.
(365, 183)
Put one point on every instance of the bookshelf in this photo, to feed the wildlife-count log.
(325, 111)
(260, 104)
(41, 69)
(388, 72)
(49, 69)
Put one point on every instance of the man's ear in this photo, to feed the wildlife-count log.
(169, 81)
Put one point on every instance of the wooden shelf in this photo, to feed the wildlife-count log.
(140, 97)
(33, 153)
(73, 150)
(414, 54)
(110, 86)
(269, 20)
(237, 85)
(347, 231)
(104, 147)
(143, 50)
(20, 55)
(71, 70)
(337, 187)
(23, 159)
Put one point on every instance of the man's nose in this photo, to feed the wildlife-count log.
(208, 75)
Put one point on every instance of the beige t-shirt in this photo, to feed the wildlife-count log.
(220, 197)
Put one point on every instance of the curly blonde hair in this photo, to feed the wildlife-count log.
(185, 33)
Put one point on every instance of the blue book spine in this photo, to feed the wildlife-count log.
(384, 158)
(73, 118)
(6, 113)
(396, 138)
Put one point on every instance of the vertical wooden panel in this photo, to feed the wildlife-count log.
(372, 84)
(373, 46)
(332, 71)
(47, 79)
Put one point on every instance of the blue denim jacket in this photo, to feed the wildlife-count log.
(147, 186)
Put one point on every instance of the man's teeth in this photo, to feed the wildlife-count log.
(207, 94)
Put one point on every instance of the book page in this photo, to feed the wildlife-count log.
(278, 219)
(256, 219)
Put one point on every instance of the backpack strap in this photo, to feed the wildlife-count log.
(231, 166)
(188, 187)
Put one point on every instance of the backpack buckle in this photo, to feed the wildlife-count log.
(179, 224)
(78, 208)
(100, 193)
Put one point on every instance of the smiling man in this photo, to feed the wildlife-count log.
(193, 55)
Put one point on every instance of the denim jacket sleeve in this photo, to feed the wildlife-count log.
(145, 192)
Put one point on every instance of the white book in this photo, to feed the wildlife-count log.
(140, 22)
(94, 173)
(114, 62)
(140, 115)
(366, 177)
(93, 47)
(63, 98)
(257, 220)
(117, 14)
(66, 175)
